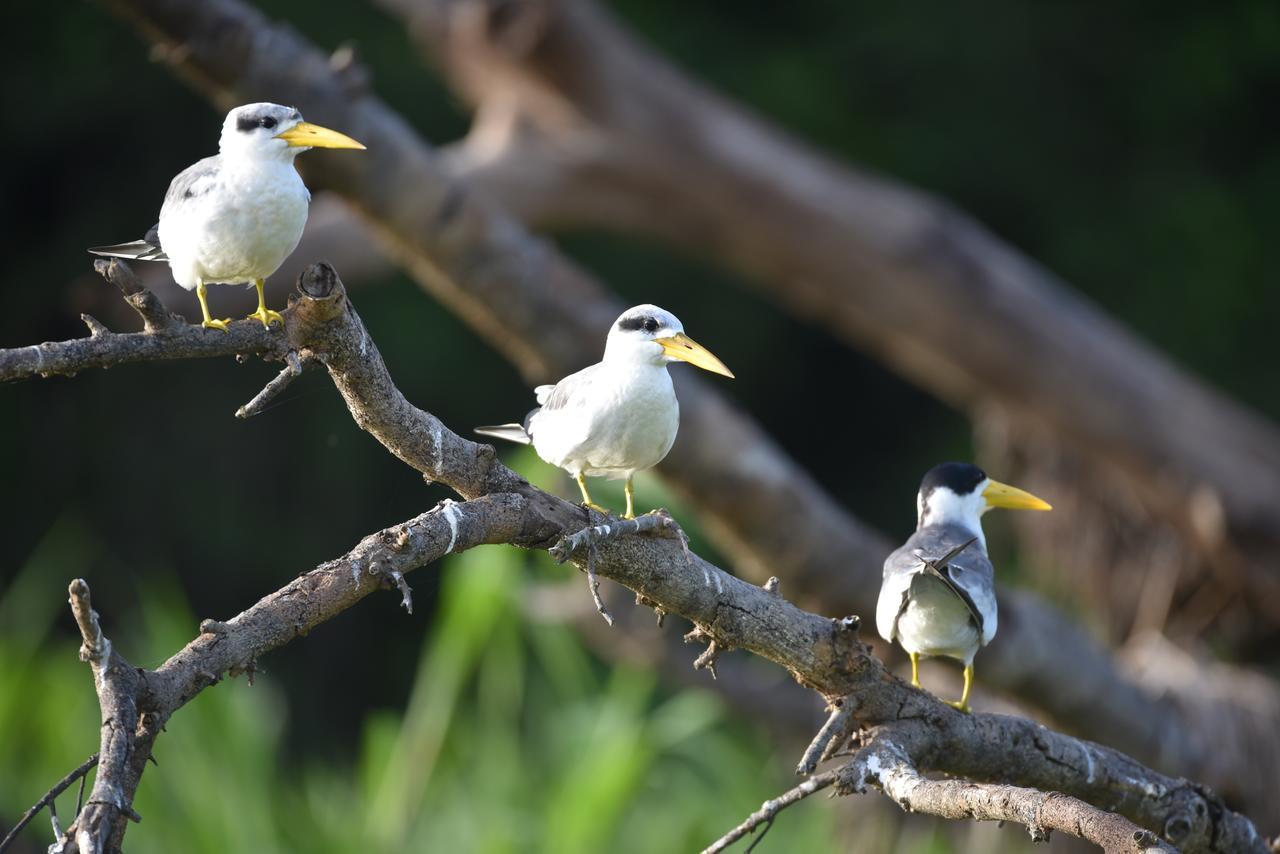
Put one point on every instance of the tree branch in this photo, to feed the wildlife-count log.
(821, 653)
(545, 315)
(887, 766)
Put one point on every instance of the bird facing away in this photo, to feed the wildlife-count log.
(620, 415)
(235, 217)
(938, 596)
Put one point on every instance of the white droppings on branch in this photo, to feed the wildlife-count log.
(451, 516)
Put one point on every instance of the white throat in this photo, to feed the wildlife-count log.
(944, 507)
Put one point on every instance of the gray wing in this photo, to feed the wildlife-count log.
(191, 183)
(967, 573)
(571, 392)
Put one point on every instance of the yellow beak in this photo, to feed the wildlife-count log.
(1011, 498)
(307, 135)
(684, 348)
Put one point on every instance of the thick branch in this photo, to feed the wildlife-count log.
(886, 765)
(546, 315)
(160, 340)
(100, 826)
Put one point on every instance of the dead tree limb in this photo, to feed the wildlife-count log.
(501, 507)
(578, 123)
(545, 314)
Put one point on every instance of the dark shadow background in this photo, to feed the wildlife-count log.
(1131, 150)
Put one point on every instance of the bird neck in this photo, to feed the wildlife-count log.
(944, 507)
(633, 356)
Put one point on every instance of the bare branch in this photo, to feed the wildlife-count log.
(291, 371)
(886, 765)
(100, 826)
(828, 738)
(769, 810)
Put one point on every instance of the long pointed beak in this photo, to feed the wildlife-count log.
(307, 135)
(1011, 498)
(684, 348)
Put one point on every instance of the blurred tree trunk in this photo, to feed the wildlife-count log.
(579, 125)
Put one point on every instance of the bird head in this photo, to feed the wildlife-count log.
(959, 493)
(271, 132)
(651, 335)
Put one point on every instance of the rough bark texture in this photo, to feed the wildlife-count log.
(544, 313)
(821, 653)
(577, 123)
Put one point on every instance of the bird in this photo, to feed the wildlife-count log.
(938, 595)
(234, 218)
(620, 415)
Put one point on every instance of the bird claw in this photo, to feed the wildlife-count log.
(604, 511)
(212, 323)
(959, 705)
(267, 316)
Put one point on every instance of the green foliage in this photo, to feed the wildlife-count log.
(513, 739)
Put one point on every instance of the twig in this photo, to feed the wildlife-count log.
(593, 584)
(58, 788)
(770, 809)
(271, 390)
(595, 535)
(836, 726)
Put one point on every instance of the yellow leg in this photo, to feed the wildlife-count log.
(263, 313)
(915, 669)
(963, 703)
(586, 496)
(631, 500)
(209, 322)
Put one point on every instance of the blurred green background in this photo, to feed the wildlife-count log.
(1130, 149)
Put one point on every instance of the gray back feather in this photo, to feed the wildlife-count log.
(970, 575)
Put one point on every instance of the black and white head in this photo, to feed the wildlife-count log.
(648, 334)
(267, 131)
(959, 493)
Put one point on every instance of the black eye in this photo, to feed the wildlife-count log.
(650, 325)
(268, 123)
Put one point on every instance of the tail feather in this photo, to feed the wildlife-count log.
(507, 432)
(146, 249)
(138, 250)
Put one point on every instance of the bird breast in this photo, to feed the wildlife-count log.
(627, 423)
(238, 231)
(936, 622)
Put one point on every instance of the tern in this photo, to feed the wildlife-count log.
(620, 415)
(938, 596)
(235, 217)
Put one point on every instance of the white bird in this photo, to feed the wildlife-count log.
(620, 415)
(938, 596)
(235, 217)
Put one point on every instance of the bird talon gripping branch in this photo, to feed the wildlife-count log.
(235, 217)
(620, 415)
(946, 604)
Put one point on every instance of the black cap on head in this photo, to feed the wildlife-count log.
(960, 478)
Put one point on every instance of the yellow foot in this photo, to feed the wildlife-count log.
(596, 507)
(267, 316)
(959, 705)
(211, 323)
